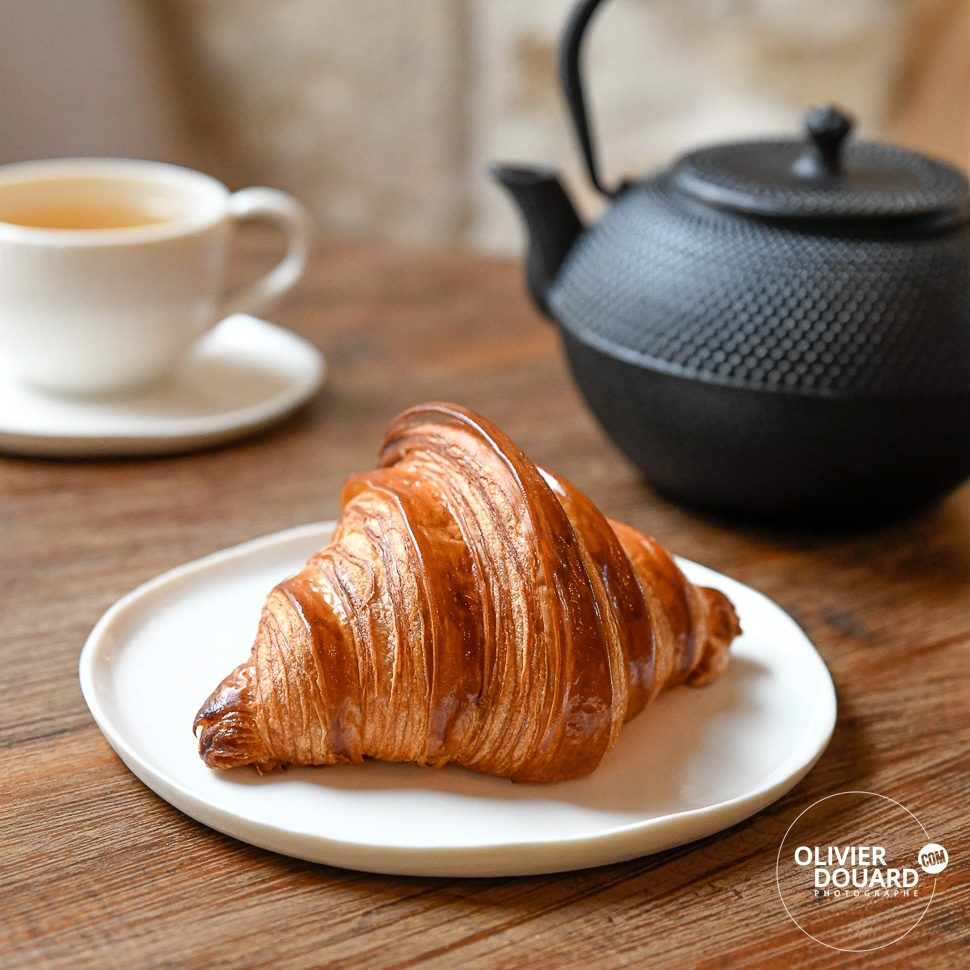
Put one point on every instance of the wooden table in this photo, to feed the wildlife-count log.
(98, 871)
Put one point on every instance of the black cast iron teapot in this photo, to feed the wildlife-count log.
(774, 329)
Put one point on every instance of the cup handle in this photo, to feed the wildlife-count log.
(283, 211)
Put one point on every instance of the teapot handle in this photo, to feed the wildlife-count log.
(570, 76)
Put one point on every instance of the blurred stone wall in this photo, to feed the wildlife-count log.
(383, 114)
(355, 106)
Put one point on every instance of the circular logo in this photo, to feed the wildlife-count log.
(851, 873)
(932, 858)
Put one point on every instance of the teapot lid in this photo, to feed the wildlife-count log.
(823, 177)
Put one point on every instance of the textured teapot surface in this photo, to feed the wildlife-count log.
(831, 310)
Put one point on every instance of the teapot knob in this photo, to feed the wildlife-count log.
(827, 128)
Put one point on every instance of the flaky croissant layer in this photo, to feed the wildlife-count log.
(471, 608)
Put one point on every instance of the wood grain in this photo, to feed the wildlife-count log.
(97, 871)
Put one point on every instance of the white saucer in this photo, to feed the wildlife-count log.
(695, 762)
(242, 376)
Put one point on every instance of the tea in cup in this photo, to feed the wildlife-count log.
(110, 269)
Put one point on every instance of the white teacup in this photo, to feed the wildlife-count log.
(111, 268)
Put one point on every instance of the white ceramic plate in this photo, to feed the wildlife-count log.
(242, 376)
(694, 762)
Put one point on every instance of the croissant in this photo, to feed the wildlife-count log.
(470, 609)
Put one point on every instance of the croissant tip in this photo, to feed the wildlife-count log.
(229, 736)
(725, 627)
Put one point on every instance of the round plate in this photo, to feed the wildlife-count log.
(242, 376)
(694, 762)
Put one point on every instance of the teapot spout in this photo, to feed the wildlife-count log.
(551, 223)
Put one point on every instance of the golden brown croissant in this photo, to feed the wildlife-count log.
(471, 608)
